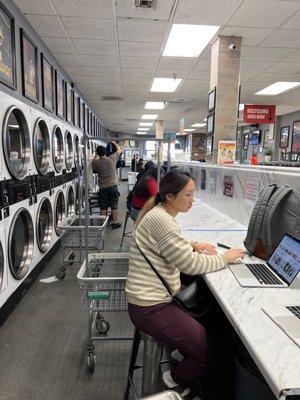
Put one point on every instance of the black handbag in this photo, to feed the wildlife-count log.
(196, 298)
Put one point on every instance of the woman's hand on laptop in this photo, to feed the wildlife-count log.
(204, 248)
(234, 255)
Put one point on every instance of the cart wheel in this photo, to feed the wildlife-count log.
(61, 274)
(102, 326)
(91, 361)
(71, 258)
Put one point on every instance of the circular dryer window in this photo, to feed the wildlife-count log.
(41, 146)
(69, 150)
(1, 265)
(57, 149)
(44, 225)
(16, 142)
(77, 151)
(70, 202)
(21, 243)
(60, 210)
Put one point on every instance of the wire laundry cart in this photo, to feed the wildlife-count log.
(75, 240)
(167, 395)
(103, 281)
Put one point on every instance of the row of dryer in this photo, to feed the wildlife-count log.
(34, 146)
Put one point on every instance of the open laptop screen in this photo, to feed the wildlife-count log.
(285, 260)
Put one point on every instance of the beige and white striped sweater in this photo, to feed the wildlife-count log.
(159, 237)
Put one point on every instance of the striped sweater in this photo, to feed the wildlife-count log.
(159, 237)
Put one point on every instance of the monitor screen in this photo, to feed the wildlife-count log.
(285, 260)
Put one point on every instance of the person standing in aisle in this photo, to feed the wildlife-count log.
(105, 167)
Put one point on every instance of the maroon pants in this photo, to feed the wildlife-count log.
(170, 325)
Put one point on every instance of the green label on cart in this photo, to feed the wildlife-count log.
(98, 295)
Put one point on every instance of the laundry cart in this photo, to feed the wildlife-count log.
(168, 395)
(103, 280)
(75, 240)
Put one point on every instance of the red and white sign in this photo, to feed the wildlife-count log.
(259, 114)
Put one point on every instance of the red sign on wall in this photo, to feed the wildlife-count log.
(259, 114)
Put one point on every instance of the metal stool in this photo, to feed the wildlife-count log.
(127, 234)
(151, 364)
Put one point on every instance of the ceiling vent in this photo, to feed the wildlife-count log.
(177, 101)
(111, 98)
(144, 4)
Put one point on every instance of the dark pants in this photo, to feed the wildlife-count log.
(170, 325)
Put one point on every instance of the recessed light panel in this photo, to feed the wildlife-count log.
(188, 40)
(165, 84)
(154, 105)
(198, 125)
(144, 129)
(149, 116)
(189, 130)
(146, 123)
(277, 88)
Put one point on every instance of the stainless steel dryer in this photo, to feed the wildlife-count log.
(70, 202)
(77, 151)
(59, 210)
(21, 243)
(3, 267)
(57, 149)
(44, 225)
(68, 150)
(41, 146)
(16, 142)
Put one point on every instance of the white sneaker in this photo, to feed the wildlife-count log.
(169, 383)
(176, 356)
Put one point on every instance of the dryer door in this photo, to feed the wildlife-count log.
(60, 210)
(69, 150)
(44, 225)
(41, 146)
(70, 202)
(21, 243)
(77, 151)
(16, 142)
(57, 149)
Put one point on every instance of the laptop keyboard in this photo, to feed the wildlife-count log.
(295, 310)
(263, 274)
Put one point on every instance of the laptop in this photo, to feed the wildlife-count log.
(279, 271)
(287, 318)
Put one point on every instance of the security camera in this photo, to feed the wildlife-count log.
(232, 46)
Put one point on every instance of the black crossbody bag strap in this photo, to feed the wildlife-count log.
(163, 281)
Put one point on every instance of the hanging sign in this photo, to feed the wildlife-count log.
(259, 114)
(226, 151)
(159, 129)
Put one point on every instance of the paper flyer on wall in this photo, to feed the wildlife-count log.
(226, 152)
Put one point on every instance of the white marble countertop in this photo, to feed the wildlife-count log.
(275, 354)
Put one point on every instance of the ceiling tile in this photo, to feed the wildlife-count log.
(99, 61)
(35, 7)
(292, 23)
(201, 75)
(88, 8)
(78, 79)
(140, 62)
(161, 10)
(141, 31)
(173, 63)
(103, 71)
(255, 66)
(283, 68)
(47, 25)
(71, 70)
(253, 13)
(250, 36)
(90, 28)
(59, 45)
(269, 77)
(106, 80)
(267, 54)
(213, 12)
(138, 73)
(294, 56)
(137, 81)
(89, 46)
(169, 73)
(68, 59)
(202, 65)
(283, 38)
(139, 49)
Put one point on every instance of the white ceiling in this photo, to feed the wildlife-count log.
(111, 49)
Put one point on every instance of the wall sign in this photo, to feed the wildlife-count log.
(284, 137)
(29, 58)
(226, 152)
(228, 185)
(7, 48)
(259, 114)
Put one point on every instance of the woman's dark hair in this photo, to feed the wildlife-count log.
(101, 151)
(149, 165)
(140, 188)
(171, 183)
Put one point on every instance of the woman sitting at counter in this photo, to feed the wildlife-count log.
(150, 306)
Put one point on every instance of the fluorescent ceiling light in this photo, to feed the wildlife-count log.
(165, 84)
(188, 40)
(155, 105)
(149, 116)
(278, 87)
(141, 133)
(198, 125)
(189, 130)
(146, 123)
(144, 129)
